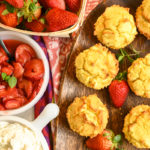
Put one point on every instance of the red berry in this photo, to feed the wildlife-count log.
(118, 91)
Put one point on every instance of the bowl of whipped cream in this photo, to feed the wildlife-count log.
(19, 134)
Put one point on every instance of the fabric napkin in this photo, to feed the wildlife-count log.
(57, 50)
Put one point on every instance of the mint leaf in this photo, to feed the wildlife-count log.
(12, 81)
(3, 74)
(5, 12)
(7, 78)
(117, 138)
(120, 58)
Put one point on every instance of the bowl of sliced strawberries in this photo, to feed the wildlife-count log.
(42, 17)
(24, 75)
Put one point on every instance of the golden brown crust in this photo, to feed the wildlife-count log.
(139, 76)
(142, 23)
(137, 126)
(87, 116)
(115, 28)
(145, 9)
(96, 67)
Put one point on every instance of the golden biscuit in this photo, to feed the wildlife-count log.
(115, 28)
(142, 23)
(139, 76)
(96, 67)
(137, 126)
(145, 9)
(87, 116)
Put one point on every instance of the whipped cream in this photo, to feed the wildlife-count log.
(15, 136)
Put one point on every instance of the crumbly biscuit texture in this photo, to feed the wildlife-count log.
(96, 67)
(137, 126)
(115, 28)
(145, 9)
(139, 76)
(87, 116)
(142, 23)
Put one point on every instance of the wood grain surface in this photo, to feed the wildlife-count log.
(65, 138)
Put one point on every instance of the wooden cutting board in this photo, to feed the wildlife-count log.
(65, 138)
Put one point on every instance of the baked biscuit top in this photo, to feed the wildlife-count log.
(139, 76)
(87, 116)
(137, 126)
(142, 23)
(96, 67)
(115, 28)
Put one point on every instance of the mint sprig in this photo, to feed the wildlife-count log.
(131, 57)
(11, 80)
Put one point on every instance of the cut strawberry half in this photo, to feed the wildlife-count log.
(12, 104)
(18, 70)
(26, 86)
(24, 53)
(7, 68)
(34, 69)
(36, 90)
(3, 56)
(2, 107)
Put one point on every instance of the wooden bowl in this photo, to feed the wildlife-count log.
(61, 33)
(65, 138)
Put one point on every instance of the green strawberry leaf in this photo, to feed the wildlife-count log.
(3, 74)
(117, 138)
(5, 12)
(20, 14)
(9, 7)
(33, 7)
(121, 76)
(12, 81)
(29, 19)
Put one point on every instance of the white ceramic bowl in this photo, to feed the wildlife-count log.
(50, 112)
(4, 35)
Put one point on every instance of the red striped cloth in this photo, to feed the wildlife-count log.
(57, 50)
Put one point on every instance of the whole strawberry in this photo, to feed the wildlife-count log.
(7, 18)
(118, 91)
(73, 5)
(105, 141)
(35, 25)
(53, 4)
(16, 3)
(58, 19)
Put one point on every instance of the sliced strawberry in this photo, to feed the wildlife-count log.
(36, 90)
(27, 86)
(11, 93)
(16, 3)
(2, 107)
(3, 91)
(18, 70)
(22, 100)
(7, 68)
(34, 69)
(3, 56)
(24, 53)
(12, 104)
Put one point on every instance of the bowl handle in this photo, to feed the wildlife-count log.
(49, 113)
